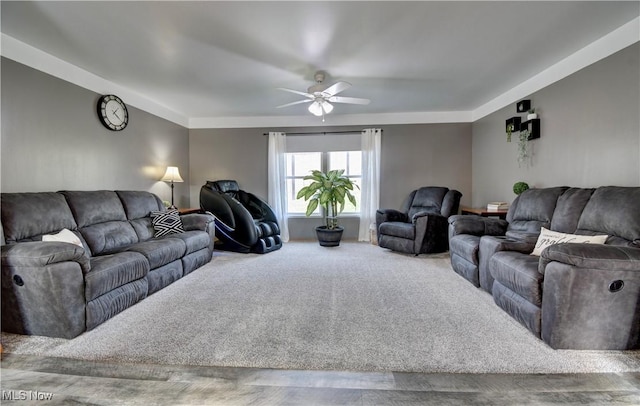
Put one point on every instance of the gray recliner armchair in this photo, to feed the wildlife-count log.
(420, 226)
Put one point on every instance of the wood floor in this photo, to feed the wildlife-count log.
(54, 381)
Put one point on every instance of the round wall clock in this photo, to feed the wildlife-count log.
(113, 112)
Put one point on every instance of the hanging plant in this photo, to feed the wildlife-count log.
(523, 146)
(510, 128)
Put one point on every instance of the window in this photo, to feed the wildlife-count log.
(300, 164)
(351, 162)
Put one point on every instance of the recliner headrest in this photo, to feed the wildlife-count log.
(225, 186)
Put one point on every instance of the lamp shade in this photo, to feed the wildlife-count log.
(320, 107)
(172, 175)
(327, 107)
(315, 108)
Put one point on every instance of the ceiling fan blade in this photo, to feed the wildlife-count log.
(297, 92)
(336, 88)
(350, 100)
(294, 103)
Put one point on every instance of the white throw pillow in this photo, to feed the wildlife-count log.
(63, 236)
(548, 237)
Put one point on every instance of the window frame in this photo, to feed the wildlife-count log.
(324, 163)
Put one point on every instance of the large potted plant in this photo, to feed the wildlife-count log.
(329, 191)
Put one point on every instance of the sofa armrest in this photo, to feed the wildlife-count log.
(429, 214)
(592, 256)
(588, 296)
(201, 221)
(43, 289)
(40, 254)
(385, 215)
(197, 221)
(476, 225)
(430, 232)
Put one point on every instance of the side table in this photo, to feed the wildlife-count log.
(484, 212)
(190, 210)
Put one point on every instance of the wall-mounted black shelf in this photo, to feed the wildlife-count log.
(533, 126)
(516, 124)
(523, 106)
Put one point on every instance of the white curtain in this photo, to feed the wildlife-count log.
(277, 181)
(370, 188)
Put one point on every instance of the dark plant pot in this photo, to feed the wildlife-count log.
(329, 238)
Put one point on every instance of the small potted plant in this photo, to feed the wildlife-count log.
(329, 191)
(520, 187)
(532, 114)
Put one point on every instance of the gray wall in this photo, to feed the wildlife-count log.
(590, 134)
(412, 156)
(52, 140)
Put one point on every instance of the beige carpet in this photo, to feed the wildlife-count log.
(353, 307)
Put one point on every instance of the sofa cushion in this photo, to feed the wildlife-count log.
(569, 209)
(138, 204)
(428, 199)
(548, 238)
(143, 228)
(166, 222)
(27, 216)
(112, 271)
(398, 229)
(94, 207)
(519, 273)
(160, 252)
(109, 237)
(613, 210)
(533, 209)
(194, 240)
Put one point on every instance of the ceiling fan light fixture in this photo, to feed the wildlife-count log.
(315, 108)
(319, 95)
(327, 107)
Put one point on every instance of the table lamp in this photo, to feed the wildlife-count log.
(172, 175)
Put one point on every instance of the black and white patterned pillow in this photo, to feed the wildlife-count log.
(166, 222)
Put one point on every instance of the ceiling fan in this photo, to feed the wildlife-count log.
(319, 96)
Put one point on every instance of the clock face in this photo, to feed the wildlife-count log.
(113, 112)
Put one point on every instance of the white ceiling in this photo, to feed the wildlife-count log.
(222, 61)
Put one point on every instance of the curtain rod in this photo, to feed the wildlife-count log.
(323, 132)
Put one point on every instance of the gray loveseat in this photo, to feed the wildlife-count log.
(574, 295)
(59, 289)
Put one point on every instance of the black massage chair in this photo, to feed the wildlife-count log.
(244, 222)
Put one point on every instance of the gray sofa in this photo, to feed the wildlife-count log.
(59, 289)
(574, 295)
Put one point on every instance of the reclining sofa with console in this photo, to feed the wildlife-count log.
(244, 222)
(573, 295)
(60, 289)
